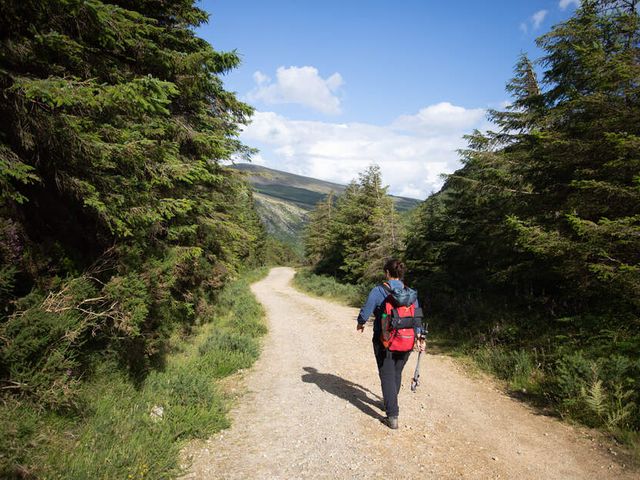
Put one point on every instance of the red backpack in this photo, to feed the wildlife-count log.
(399, 318)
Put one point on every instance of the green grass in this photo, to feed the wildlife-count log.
(328, 287)
(113, 433)
(577, 386)
(518, 368)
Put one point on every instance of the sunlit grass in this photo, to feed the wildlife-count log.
(127, 431)
(328, 287)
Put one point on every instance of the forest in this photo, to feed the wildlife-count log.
(119, 226)
(528, 258)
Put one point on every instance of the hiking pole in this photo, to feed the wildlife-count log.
(415, 381)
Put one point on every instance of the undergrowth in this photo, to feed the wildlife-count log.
(327, 287)
(578, 385)
(128, 430)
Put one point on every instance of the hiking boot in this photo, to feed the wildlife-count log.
(391, 422)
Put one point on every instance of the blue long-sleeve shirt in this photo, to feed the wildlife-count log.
(373, 305)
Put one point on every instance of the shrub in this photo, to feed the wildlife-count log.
(327, 286)
(112, 433)
(518, 367)
(41, 355)
(600, 392)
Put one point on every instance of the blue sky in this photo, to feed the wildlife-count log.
(340, 85)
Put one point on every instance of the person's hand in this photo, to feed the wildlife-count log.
(422, 345)
(360, 327)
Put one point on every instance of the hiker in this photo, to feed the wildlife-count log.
(390, 363)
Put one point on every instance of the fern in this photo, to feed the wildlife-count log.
(621, 408)
(595, 398)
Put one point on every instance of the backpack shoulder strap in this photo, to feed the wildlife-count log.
(389, 298)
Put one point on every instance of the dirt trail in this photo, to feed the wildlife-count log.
(312, 409)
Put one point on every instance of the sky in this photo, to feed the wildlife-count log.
(338, 86)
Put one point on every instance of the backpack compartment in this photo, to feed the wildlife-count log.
(402, 340)
(406, 317)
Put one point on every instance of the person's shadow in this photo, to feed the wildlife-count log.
(353, 393)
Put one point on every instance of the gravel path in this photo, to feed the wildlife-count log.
(311, 409)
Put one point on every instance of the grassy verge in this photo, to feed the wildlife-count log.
(576, 385)
(328, 287)
(127, 431)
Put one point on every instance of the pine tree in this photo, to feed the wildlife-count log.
(353, 239)
(546, 208)
(590, 157)
(534, 244)
(318, 234)
(381, 235)
(113, 124)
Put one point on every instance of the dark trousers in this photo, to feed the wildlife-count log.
(390, 365)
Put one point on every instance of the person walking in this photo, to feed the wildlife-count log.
(390, 363)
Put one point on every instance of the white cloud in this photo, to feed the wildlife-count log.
(565, 3)
(537, 18)
(535, 21)
(260, 78)
(412, 152)
(299, 85)
(442, 117)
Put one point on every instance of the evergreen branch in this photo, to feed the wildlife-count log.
(494, 187)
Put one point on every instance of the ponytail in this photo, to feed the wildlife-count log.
(395, 268)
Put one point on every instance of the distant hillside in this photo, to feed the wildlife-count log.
(304, 191)
(284, 199)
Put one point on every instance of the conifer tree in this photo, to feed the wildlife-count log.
(381, 236)
(318, 235)
(586, 220)
(113, 123)
(534, 244)
(549, 203)
(363, 231)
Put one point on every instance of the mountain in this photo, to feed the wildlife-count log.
(283, 199)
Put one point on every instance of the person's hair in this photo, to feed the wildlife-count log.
(395, 268)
